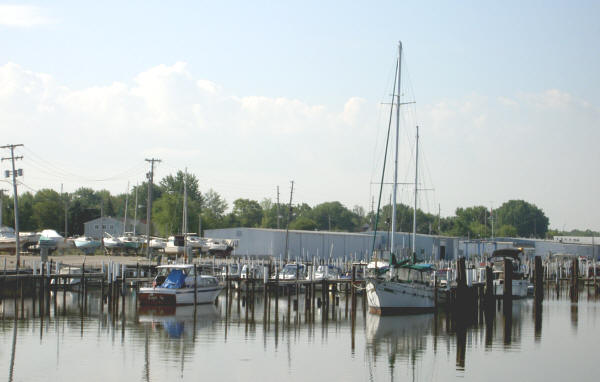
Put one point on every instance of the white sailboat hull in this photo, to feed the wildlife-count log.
(394, 297)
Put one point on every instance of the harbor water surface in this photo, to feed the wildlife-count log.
(76, 340)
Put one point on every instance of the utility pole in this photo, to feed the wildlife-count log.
(150, 177)
(66, 208)
(1, 207)
(66, 215)
(126, 202)
(492, 218)
(278, 214)
(287, 223)
(439, 218)
(14, 174)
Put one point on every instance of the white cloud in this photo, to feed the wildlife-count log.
(23, 16)
(539, 147)
(166, 111)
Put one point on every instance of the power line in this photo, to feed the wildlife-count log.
(14, 174)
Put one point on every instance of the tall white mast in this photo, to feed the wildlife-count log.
(414, 235)
(392, 246)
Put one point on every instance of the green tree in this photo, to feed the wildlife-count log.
(174, 184)
(528, 219)
(26, 220)
(269, 217)
(303, 223)
(333, 216)
(47, 209)
(213, 210)
(166, 214)
(247, 213)
(507, 230)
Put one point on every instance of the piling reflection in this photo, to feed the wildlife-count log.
(282, 323)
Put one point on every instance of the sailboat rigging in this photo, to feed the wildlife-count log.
(405, 288)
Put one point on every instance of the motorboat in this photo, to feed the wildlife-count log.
(177, 284)
(175, 245)
(158, 243)
(8, 239)
(87, 243)
(196, 242)
(219, 247)
(69, 270)
(251, 271)
(520, 283)
(327, 272)
(49, 238)
(293, 271)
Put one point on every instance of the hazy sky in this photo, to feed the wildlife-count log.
(250, 95)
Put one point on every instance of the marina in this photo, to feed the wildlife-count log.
(268, 337)
(317, 191)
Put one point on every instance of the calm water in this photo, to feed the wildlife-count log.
(217, 343)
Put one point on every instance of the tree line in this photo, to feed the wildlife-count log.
(48, 209)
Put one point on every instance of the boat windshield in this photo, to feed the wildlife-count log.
(290, 269)
(175, 279)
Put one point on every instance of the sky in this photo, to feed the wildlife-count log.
(251, 95)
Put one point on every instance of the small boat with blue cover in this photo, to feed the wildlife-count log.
(175, 285)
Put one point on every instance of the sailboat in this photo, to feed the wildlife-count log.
(405, 287)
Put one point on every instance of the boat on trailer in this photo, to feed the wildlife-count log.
(177, 284)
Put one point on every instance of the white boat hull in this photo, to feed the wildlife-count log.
(519, 288)
(180, 296)
(393, 297)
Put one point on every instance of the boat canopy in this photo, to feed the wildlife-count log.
(175, 279)
(508, 252)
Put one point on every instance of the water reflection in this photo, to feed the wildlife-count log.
(401, 339)
(178, 321)
(288, 336)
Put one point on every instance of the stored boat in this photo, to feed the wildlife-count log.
(131, 242)
(49, 238)
(87, 243)
(111, 242)
(175, 245)
(177, 284)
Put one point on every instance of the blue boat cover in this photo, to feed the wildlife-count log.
(175, 279)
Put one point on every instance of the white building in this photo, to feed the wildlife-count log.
(326, 244)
